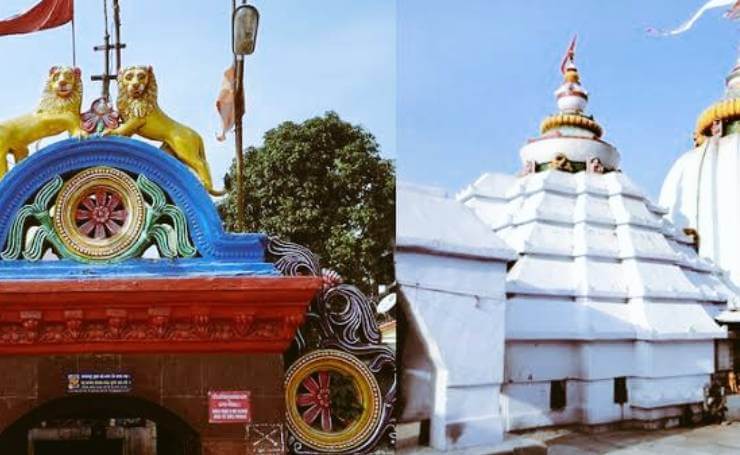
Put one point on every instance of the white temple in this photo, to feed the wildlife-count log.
(609, 313)
(701, 190)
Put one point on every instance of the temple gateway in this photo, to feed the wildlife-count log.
(132, 323)
(565, 296)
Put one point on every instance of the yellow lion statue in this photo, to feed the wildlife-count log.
(58, 111)
(137, 104)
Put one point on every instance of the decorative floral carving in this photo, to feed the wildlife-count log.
(529, 167)
(242, 323)
(100, 117)
(31, 326)
(595, 166)
(53, 333)
(116, 324)
(96, 332)
(201, 325)
(158, 327)
(561, 163)
(74, 327)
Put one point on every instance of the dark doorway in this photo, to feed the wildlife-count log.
(92, 447)
(173, 435)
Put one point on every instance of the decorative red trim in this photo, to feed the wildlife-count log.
(163, 315)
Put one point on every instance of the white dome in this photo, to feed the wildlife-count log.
(701, 192)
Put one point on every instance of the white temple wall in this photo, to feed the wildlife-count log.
(487, 196)
(657, 359)
(468, 331)
(540, 361)
(598, 405)
(655, 393)
(661, 378)
(532, 361)
(562, 317)
(454, 274)
(527, 405)
(419, 377)
(488, 209)
(528, 360)
(460, 303)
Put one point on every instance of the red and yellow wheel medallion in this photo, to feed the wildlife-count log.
(333, 401)
(99, 213)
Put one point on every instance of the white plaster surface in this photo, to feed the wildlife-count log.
(604, 287)
(701, 192)
(451, 269)
(599, 285)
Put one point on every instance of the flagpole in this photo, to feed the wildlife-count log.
(74, 40)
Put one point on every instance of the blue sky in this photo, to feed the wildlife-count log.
(476, 77)
(312, 56)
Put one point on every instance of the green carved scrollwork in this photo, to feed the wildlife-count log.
(172, 241)
(35, 248)
(38, 209)
(33, 231)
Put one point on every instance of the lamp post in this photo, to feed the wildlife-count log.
(245, 21)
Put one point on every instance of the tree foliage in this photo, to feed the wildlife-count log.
(323, 184)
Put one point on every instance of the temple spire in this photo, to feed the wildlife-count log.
(571, 96)
(572, 100)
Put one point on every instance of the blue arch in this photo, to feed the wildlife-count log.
(137, 157)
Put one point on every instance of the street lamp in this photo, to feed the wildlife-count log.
(244, 23)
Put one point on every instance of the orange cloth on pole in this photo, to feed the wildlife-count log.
(45, 14)
(225, 103)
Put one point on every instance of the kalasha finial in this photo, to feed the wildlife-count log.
(571, 97)
(568, 65)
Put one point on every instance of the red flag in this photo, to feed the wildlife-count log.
(570, 54)
(45, 14)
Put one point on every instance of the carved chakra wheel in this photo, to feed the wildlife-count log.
(333, 401)
(99, 213)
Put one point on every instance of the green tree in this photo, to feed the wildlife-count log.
(323, 184)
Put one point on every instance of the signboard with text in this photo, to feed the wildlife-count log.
(229, 407)
(99, 383)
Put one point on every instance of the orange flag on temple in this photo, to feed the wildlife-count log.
(225, 103)
(45, 14)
